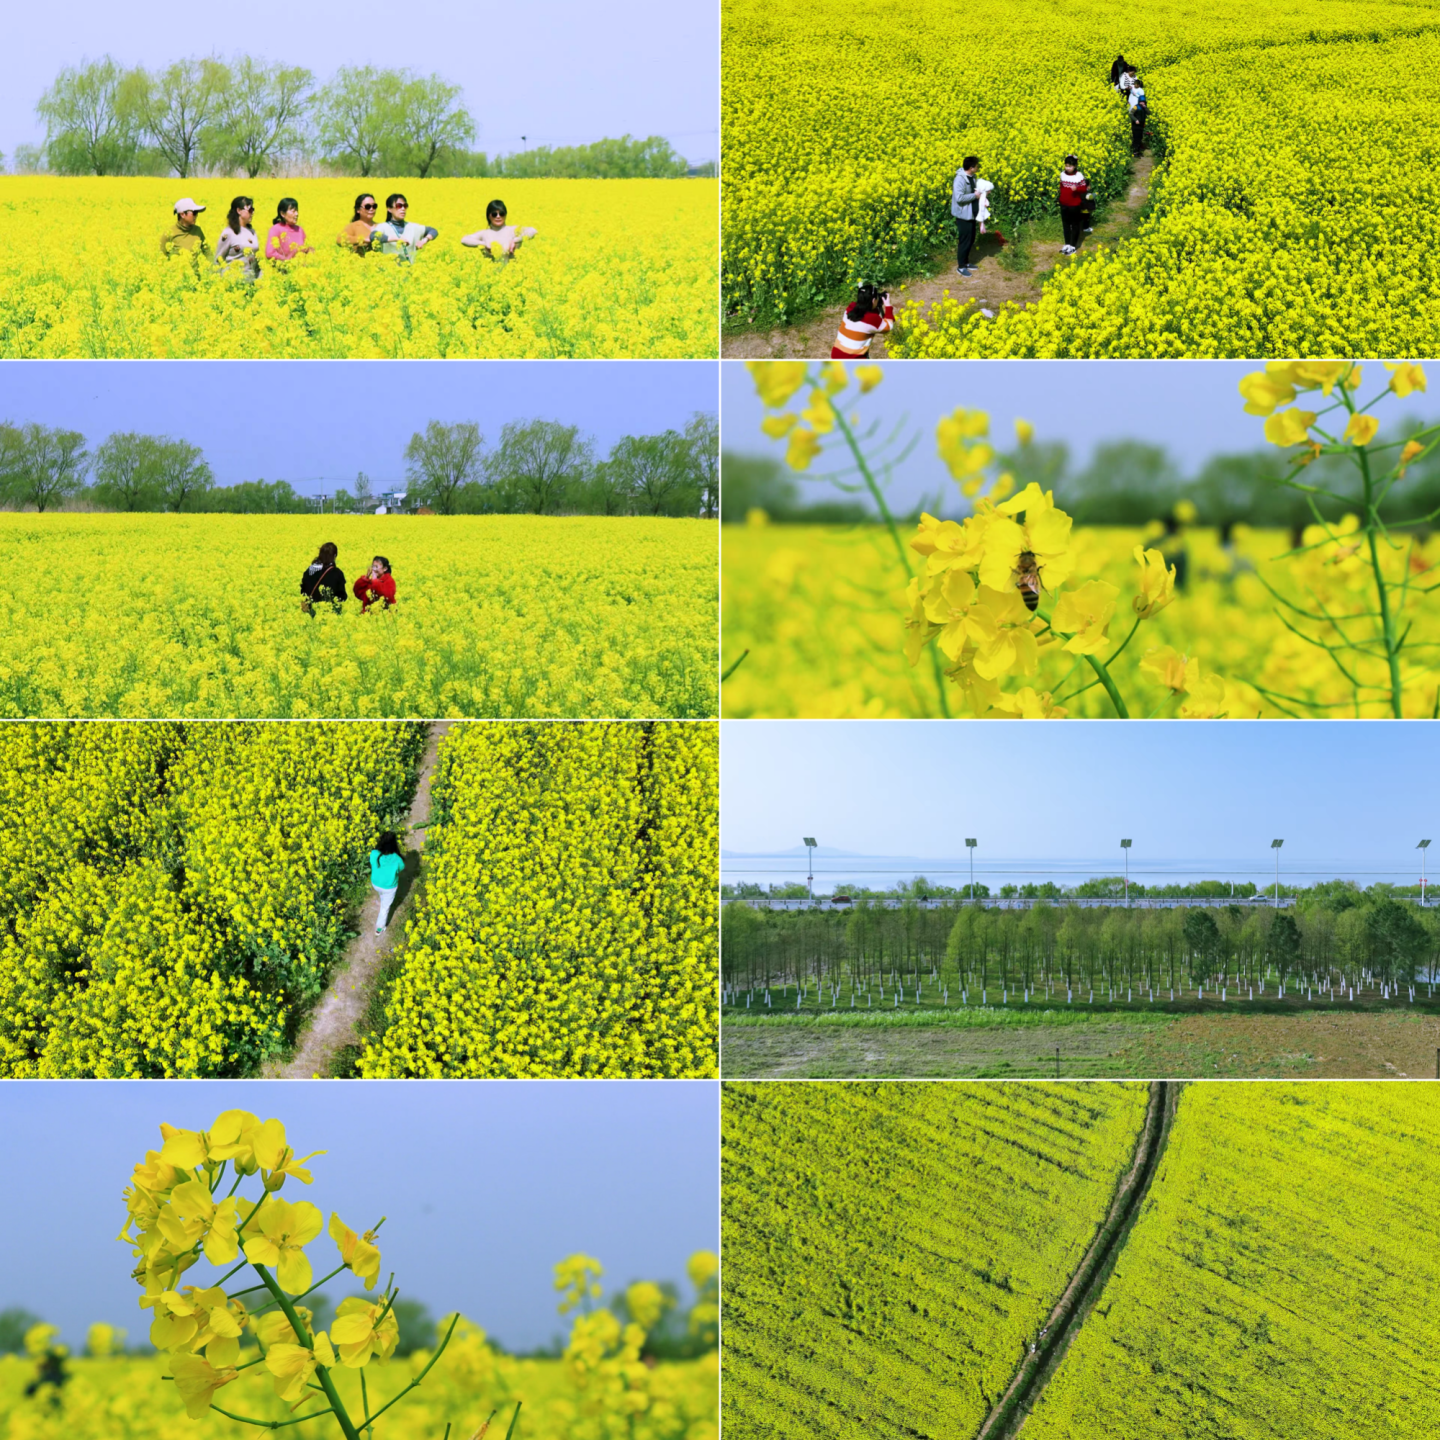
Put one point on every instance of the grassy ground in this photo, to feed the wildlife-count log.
(1315, 1043)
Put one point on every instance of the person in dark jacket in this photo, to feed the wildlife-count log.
(323, 581)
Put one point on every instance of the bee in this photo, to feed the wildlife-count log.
(1027, 579)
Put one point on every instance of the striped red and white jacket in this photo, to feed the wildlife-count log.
(852, 342)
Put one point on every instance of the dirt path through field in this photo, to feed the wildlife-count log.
(990, 287)
(335, 1021)
(1012, 1409)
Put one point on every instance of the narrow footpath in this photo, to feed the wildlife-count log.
(1013, 1408)
(992, 286)
(335, 1021)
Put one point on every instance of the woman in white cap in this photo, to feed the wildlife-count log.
(185, 234)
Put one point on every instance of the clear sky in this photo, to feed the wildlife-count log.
(486, 1184)
(324, 420)
(1354, 794)
(558, 72)
(1189, 406)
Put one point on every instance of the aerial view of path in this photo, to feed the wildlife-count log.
(992, 286)
(1009, 1413)
(335, 1021)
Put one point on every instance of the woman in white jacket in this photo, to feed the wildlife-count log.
(399, 235)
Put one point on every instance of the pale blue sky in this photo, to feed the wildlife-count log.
(1344, 795)
(486, 1184)
(324, 420)
(1189, 406)
(558, 72)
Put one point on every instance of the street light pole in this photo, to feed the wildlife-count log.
(1422, 847)
(970, 846)
(810, 866)
(1275, 846)
(1125, 846)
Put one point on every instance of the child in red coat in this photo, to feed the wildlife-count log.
(379, 585)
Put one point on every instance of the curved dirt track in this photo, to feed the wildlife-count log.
(335, 1021)
(991, 287)
(1010, 1412)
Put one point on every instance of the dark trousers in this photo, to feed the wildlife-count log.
(1072, 221)
(1137, 134)
(964, 241)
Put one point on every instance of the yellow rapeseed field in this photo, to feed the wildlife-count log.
(619, 268)
(1289, 209)
(569, 923)
(821, 611)
(509, 616)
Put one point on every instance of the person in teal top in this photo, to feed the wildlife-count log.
(386, 866)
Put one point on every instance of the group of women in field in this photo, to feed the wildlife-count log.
(323, 583)
(238, 247)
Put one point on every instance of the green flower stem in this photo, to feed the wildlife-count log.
(878, 496)
(514, 1420)
(371, 1419)
(1387, 620)
(270, 1424)
(1098, 666)
(308, 1341)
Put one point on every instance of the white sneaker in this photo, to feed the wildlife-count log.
(379, 929)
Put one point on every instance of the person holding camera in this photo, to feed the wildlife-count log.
(1074, 192)
(964, 201)
(870, 315)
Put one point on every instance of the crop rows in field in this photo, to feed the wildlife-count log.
(619, 268)
(173, 896)
(820, 612)
(1279, 1280)
(1247, 247)
(891, 1251)
(199, 616)
(569, 920)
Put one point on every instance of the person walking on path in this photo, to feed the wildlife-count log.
(1139, 113)
(964, 197)
(386, 867)
(1073, 189)
(1117, 69)
(185, 236)
(871, 314)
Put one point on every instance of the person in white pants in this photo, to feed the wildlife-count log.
(386, 865)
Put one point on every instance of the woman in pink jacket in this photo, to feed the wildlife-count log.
(286, 239)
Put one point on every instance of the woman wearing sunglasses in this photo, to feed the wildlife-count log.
(397, 234)
(356, 235)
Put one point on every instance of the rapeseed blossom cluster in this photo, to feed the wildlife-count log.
(620, 268)
(498, 616)
(569, 923)
(174, 895)
(179, 1212)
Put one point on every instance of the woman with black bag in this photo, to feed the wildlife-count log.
(323, 581)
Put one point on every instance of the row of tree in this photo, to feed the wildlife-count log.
(1126, 482)
(974, 948)
(246, 117)
(539, 467)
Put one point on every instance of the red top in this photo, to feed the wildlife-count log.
(367, 589)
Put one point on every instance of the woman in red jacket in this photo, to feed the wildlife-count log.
(1073, 191)
(379, 585)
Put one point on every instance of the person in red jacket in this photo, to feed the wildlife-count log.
(379, 585)
(872, 314)
(1074, 188)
